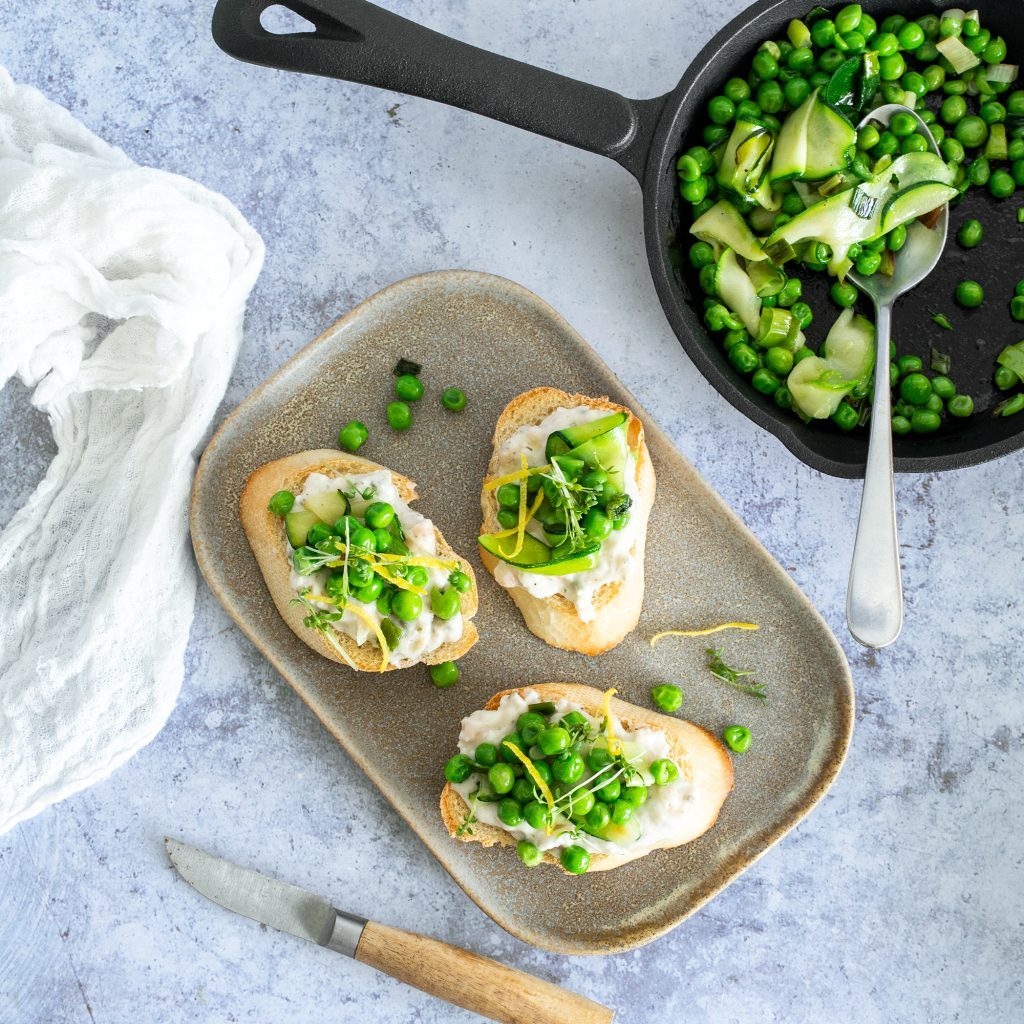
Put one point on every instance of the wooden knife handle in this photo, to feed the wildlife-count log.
(474, 982)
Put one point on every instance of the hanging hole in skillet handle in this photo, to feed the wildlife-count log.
(283, 21)
(359, 42)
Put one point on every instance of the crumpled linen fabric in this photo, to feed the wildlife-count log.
(122, 291)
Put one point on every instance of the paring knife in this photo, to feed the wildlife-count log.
(466, 979)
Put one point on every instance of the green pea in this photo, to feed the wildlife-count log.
(995, 51)
(1001, 185)
(507, 518)
(599, 817)
(687, 168)
(444, 674)
(1013, 406)
(553, 740)
(453, 399)
(508, 496)
(622, 811)
(704, 159)
(581, 803)
(748, 110)
(399, 416)
(915, 388)
(915, 143)
(530, 725)
(635, 794)
(792, 204)
(848, 18)
(486, 754)
(460, 581)
(664, 771)
(979, 171)
(409, 387)
(567, 767)
(721, 109)
(445, 604)
(736, 89)
(770, 97)
(598, 758)
(765, 381)
(596, 524)
(795, 91)
(843, 294)
(891, 67)
(505, 752)
(970, 27)
(384, 603)
(868, 263)
(845, 417)
(909, 364)
(528, 853)
(536, 814)
(371, 590)
(925, 421)
(1017, 168)
(668, 697)
(900, 424)
(694, 191)
(707, 279)
(783, 398)
(953, 109)
(1018, 288)
(943, 387)
(960, 406)
(1017, 307)
(701, 255)
(353, 436)
(952, 151)
(1005, 378)
(575, 860)
(737, 737)
(867, 137)
(317, 534)
(971, 131)
(969, 294)
(543, 769)
(902, 124)
(970, 233)
(380, 515)
(743, 358)
(417, 575)
(458, 769)
(501, 777)
(510, 812)
(894, 374)
(896, 238)
(914, 82)
(609, 792)
(934, 76)
(405, 605)
(765, 66)
(281, 503)
(779, 361)
(911, 35)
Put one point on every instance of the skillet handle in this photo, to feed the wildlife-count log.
(359, 42)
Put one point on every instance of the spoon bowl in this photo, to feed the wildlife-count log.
(874, 597)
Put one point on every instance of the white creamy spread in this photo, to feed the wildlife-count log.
(425, 633)
(614, 560)
(661, 816)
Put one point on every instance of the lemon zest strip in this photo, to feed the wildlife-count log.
(703, 632)
(531, 770)
(367, 619)
(614, 747)
(508, 478)
(502, 534)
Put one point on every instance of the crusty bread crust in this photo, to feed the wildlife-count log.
(269, 543)
(694, 749)
(555, 619)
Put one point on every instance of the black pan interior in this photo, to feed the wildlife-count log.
(998, 263)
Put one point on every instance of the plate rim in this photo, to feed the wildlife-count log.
(845, 696)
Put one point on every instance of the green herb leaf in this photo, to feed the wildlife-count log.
(734, 677)
(404, 366)
(941, 319)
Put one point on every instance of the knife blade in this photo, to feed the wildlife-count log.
(466, 979)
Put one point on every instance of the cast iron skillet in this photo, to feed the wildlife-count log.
(359, 42)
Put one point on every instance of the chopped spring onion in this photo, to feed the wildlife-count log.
(996, 148)
(1005, 73)
(862, 204)
(777, 327)
(1020, 214)
(1012, 357)
(888, 264)
(799, 34)
(831, 185)
(780, 251)
(881, 163)
(766, 278)
(1008, 407)
(941, 362)
(957, 54)
(941, 319)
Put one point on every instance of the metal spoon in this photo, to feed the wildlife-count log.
(874, 598)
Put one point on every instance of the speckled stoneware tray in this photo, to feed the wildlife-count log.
(495, 340)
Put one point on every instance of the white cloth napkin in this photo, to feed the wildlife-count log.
(122, 290)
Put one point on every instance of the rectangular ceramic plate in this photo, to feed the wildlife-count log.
(495, 340)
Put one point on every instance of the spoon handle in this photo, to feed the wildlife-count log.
(874, 599)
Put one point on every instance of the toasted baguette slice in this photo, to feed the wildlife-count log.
(694, 749)
(269, 543)
(555, 619)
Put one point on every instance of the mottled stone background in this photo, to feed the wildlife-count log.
(899, 899)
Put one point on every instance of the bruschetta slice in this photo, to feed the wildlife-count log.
(359, 576)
